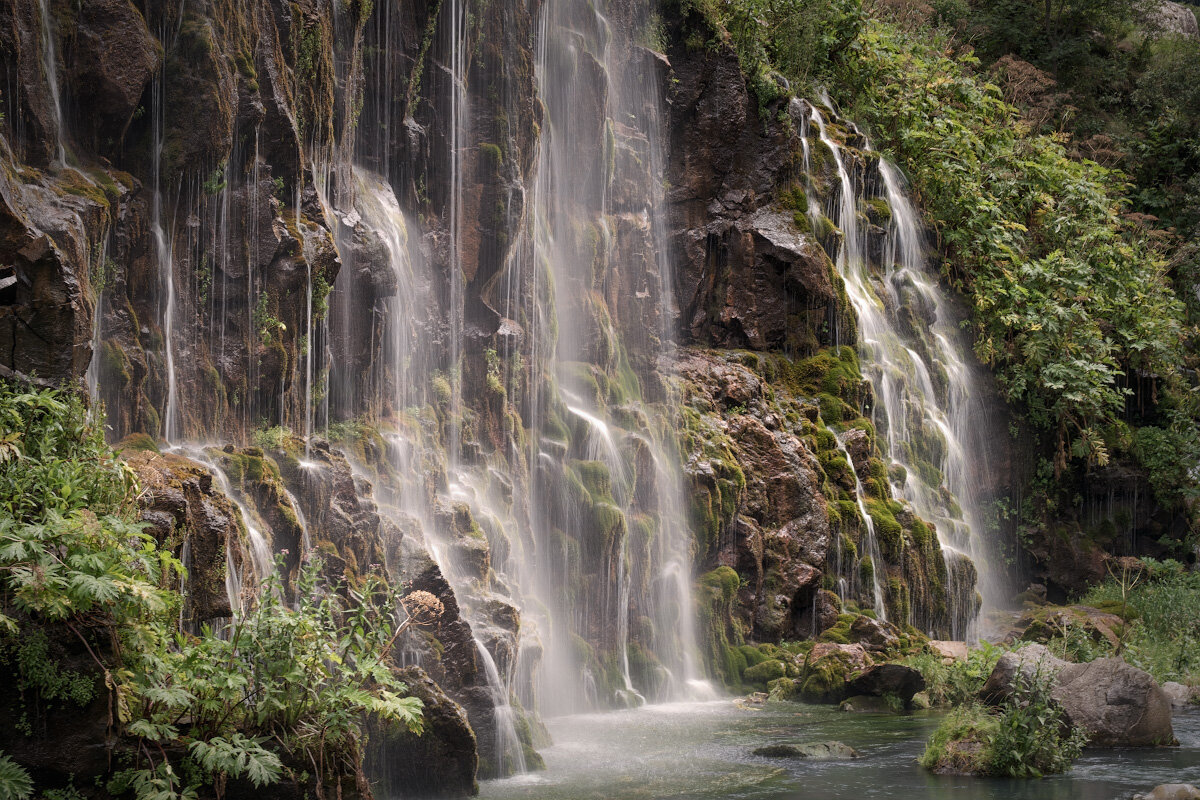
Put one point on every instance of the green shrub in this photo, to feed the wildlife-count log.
(1027, 737)
(1033, 737)
(1161, 604)
(300, 677)
(957, 683)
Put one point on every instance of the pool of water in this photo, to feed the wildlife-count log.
(703, 750)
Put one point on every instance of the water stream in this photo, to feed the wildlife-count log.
(703, 751)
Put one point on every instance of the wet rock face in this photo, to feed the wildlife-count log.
(180, 505)
(440, 762)
(778, 535)
(746, 277)
(111, 58)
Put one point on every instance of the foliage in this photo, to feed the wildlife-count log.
(271, 437)
(1163, 609)
(1027, 737)
(265, 322)
(14, 781)
(297, 676)
(958, 682)
(1068, 300)
(799, 39)
(302, 675)
(52, 461)
(1033, 737)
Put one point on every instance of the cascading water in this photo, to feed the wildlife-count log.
(403, 375)
(605, 501)
(870, 540)
(916, 362)
(50, 69)
(164, 251)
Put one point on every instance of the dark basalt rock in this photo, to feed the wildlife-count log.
(111, 58)
(440, 762)
(180, 504)
(896, 680)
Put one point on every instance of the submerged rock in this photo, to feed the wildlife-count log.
(819, 751)
(1171, 791)
(868, 704)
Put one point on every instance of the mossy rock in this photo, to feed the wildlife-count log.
(783, 689)
(764, 672)
(137, 441)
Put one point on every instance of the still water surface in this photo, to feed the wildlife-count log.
(703, 751)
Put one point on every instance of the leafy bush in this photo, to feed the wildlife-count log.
(14, 781)
(1068, 300)
(958, 682)
(1033, 738)
(298, 677)
(1162, 605)
(1027, 737)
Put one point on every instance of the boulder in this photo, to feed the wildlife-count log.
(872, 634)
(1171, 791)
(827, 670)
(1180, 695)
(1031, 659)
(1173, 18)
(1046, 624)
(949, 651)
(1118, 704)
(894, 680)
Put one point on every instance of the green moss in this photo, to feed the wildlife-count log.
(877, 210)
(782, 689)
(724, 579)
(114, 363)
(491, 156)
(138, 441)
(764, 672)
(839, 633)
(441, 390)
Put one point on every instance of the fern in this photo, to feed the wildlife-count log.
(15, 783)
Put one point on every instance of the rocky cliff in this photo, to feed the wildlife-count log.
(519, 306)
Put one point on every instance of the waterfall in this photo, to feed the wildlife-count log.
(50, 69)
(164, 247)
(917, 364)
(870, 540)
(459, 122)
(606, 572)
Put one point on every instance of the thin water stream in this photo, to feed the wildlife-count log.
(704, 750)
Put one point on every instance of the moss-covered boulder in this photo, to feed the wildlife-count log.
(827, 670)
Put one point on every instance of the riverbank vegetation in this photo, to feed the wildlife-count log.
(90, 625)
(1160, 603)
